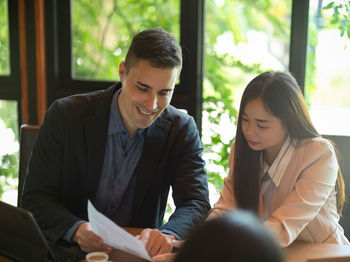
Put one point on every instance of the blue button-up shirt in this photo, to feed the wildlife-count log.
(117, 185)
(121, 158)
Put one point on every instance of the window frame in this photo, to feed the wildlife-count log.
(298, 40)
(10, 84)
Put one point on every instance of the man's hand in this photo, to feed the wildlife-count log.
(156, 242)
(168, 257)
(88, 240)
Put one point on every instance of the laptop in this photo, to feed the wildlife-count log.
(22, 240)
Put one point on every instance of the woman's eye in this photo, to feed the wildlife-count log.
(262, 127)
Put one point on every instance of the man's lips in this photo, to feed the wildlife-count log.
(146, 112)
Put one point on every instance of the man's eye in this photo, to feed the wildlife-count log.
(142, 88)
(165, 93)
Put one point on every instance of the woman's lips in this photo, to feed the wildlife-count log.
(252, 143)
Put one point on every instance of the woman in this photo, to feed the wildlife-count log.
(281, 168)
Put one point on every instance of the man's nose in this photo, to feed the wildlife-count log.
(151, 102)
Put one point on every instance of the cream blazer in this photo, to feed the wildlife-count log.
(303, 205)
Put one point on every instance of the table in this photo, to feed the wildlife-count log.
(301, 251)
(296, 252)
(4, 259)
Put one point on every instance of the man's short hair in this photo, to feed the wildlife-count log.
(157, 46)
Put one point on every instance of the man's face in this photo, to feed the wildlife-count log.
(146, 92)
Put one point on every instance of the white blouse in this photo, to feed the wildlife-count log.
(298, 201)
(272, 175)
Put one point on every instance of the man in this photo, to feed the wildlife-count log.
(122, 148)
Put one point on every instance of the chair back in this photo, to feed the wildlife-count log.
(342, 143)
(28, 134)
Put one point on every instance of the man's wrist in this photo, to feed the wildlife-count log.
(70, 235)
(171, 233)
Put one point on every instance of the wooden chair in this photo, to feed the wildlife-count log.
(343, 145)
(28, 134)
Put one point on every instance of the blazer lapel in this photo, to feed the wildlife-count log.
(96, 129)
(155, 139)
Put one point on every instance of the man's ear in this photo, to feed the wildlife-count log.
(122, 71)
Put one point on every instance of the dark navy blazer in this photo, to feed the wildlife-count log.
(67, 159)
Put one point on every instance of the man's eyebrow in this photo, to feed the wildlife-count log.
(144, 85)
(147, 86)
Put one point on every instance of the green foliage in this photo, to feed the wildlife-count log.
(4, 39)
(8, 114)
(8, 172)
(9, 162)
(102, 32)
(340, 16)
(226, 75)
(339, 19)
(313, 30)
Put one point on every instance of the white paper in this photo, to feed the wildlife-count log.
(114, 235)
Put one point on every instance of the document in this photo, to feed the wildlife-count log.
(114, 235)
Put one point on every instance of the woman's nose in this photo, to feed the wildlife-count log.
(249, 129)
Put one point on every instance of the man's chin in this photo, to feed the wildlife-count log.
(145, 124)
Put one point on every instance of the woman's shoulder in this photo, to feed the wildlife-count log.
(315, 144)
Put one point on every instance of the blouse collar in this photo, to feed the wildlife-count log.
(279, 165)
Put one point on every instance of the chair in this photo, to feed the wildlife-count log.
(28, 134)
(343, 145)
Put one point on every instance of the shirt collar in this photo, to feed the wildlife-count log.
(279, 165)
(116, 125)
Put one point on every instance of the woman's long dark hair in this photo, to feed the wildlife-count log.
(281, 97)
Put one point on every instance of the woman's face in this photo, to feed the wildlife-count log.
(262, 130)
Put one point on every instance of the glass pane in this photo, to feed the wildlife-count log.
(328, 67)
(8, 151)
(242, 39)
(102, 32)
(4, 39)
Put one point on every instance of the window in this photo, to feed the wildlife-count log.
(8, 108)
(8, 151)
(102, 33)
(4, 39)
(242, 39)
(327, 75)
